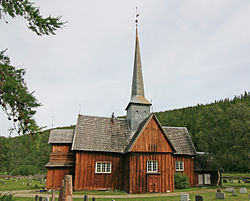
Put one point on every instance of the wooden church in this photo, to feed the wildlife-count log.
(136, 154)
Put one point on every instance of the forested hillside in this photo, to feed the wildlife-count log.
(24, 155)
(221, 128)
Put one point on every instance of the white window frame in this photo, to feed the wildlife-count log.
(179, 166)
(152, 166)
(103, 167)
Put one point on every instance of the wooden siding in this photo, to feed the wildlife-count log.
(61, 148)
(56, 175)
(139, 178)
(61, 163)
(188, 168)
(151, 139)
(87, 179)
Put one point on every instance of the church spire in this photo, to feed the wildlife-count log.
(137, 92)
(138, 108)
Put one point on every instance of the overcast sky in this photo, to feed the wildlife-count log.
(194, 51)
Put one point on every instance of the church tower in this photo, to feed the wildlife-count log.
(138, 108)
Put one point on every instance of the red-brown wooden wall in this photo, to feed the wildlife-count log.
(60, 154)
(188, 168)
(87, 179)
(138, 182)
(151, 144)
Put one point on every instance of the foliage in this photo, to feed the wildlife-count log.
(181, 181)
(31, 13)
(6, 197)
(24, 155)
(221, 128)
(15, 99)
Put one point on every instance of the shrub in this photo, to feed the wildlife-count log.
(6, 197)
(181, 181)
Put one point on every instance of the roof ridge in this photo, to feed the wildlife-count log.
(102, 117)
(174, 127)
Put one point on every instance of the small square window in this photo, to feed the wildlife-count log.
(179, 166)
(103, 167)
(152, 166)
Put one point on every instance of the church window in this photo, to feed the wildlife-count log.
(103, 167)
(179, 165)
(152, 166)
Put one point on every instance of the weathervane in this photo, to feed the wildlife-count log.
(136, 16)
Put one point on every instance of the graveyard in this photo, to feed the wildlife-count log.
(234, 187)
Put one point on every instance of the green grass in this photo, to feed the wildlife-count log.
(19, 184)
(235, 174)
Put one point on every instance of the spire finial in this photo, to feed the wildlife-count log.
(136, 16)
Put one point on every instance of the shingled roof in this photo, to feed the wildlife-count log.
(101, 134)
(181, 140)
(61, 136)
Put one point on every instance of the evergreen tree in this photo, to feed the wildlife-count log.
(15, 100)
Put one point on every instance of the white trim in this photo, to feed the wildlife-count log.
(152, 166)
(179, 166)
(103, 167)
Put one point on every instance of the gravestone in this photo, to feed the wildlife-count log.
(93, 199)
(239, 181)
(65, 193)
(224, 181)
(185, 197)
(220, 196)
(233, 192)
(230, 189)
(36, 198)
(86, 198)
(40, 199)
(231, 181)
(198, 198)
(53, 198)
(243, 190)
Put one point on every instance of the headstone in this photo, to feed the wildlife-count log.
(243, 190)
(231, 181)
(198, 198)
(230, 189)
(185, 197)
(224, 181)
(85, 198)
(53, 197)
(66, 189)
(93, 199)
(233, 192)
(36, 198)
(220, 196)
(40, 199)
(46, 199)
(218, 191)
(239, 181)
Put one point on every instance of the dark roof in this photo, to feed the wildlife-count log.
(205, 162)
(180, 139)
(140, 129)
(61, 136)
(101, 134)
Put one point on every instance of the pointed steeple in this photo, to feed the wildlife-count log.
(138, 108)
(137, 92)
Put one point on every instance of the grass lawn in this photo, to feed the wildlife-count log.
(20, 184)
(235, 174)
